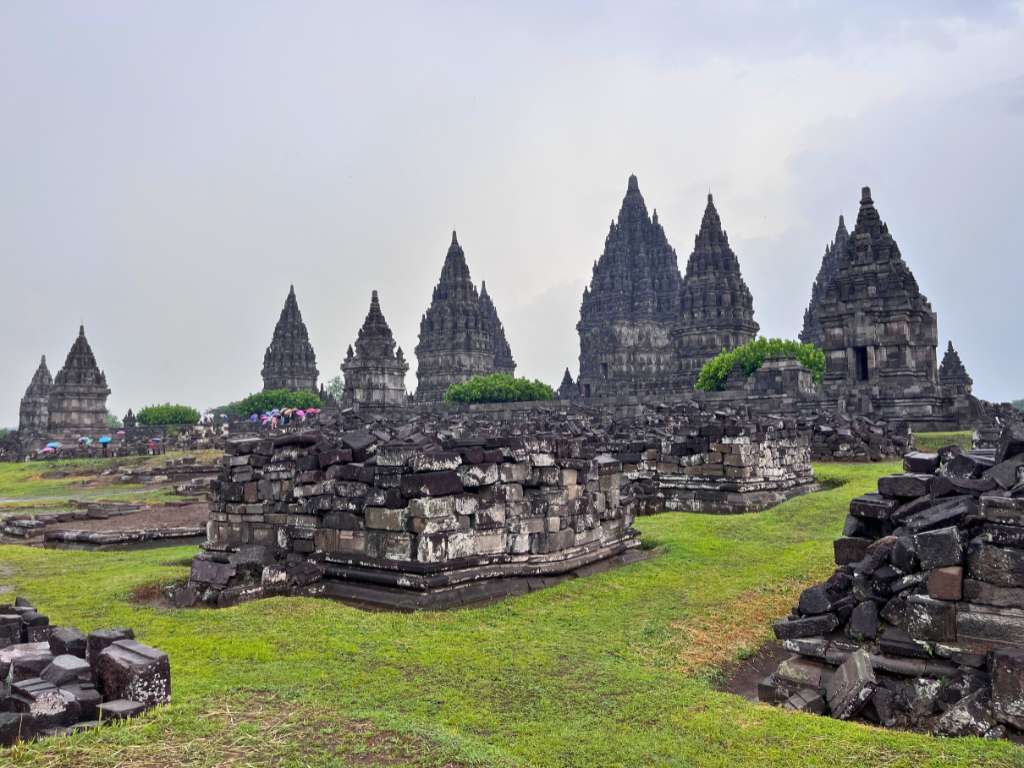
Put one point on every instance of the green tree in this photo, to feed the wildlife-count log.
(336, 387)
(498, 388)
(751, 356)
(1018, 404)
(261, 402)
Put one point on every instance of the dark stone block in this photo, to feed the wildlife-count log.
(873, 506)
(989, 624)
(863, 624)
(946, 583)
(964, 467)
(971, 716)
(1011, 443)
(945, 513)
(443, 483)
(101, 638)
(903, 555)
(1008, 686)
(906, 486)
(1001, 566)
(15, 727)
(850, 550)
(66, 669)
(120, 709)
(989, 594)
(67, 640)
(939, 548)
(805, 627)
(920, 463)
(814, 600)
(127, 669)
(929, 619)
(851, 686)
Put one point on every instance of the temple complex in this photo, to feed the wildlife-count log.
(34, 416)
(289, 362)
(460, 333)
(879, 329)
(953, 376)
(375, 372)
(78, 397)
(716, 310)
(630, 307)
(812, 332)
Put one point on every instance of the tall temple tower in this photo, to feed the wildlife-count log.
(78, 397)
(375, 373)
(460, 334)
(880, 332)
(716, 310)
(289, 362)
(630, 307)
(34, 415)
(812, 332)
(503, 362)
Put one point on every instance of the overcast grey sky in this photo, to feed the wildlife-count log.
(167, 169)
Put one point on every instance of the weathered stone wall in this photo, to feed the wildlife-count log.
(922, 623)
(405, 522)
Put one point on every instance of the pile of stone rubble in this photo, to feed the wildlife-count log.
(922, 624)
(56, 680)
(838, 437)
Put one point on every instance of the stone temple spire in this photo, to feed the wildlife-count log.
(503, 362)
(812, 333)
(34, 416)
(78, 397)
(456, 341)
(568, 389)
(630, 307)
(880, 332)
(289, 362)
(716, 309)
(952, 373)
(375, 374)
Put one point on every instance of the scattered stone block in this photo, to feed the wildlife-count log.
(127, 669)
(851, 686)
(1008, 686)
(67, 669)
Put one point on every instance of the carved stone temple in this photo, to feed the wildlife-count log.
(460, 333)
(568, 389)
(879, 331)
(78, 398)
(716, 309)
(289, 362)
(34, 414)
(630, 307)
(812, 332)
(953, 376)
(375, 372)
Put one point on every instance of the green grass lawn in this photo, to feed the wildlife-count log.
(932, 441)
(615, 669)
(26, 487)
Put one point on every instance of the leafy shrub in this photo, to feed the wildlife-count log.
(260, 402)
(1018, 404)
(498, 388)
(167, 414)
(111, 421)
(751, 356)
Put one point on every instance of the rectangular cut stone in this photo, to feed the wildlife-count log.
(130, 670)
(804, 672)
(851, 686)
(990, 625)
(929, 619)
(906, 486)
(989, 594)
(1001, 566)
(810, 626)
(444, 483)
(850, 549)
(334, 542)
(946, 583)
(1008, 686)
(939, 548)
(385, 519)
(918, 462)
(873, 506)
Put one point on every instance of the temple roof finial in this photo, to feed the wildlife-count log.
(455, 239)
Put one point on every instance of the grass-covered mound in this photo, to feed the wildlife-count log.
(498, 388)
(751, 356)
(615, 669)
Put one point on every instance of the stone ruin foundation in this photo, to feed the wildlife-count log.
(406, 525)
(428, 509)
(57, 680)
(922, 624)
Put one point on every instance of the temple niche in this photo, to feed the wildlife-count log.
(375, 372)
(716, 309)
(77, 400)
(812, 332)
(34, 414)
(289, 362)
(879, 331)
(630, 307)
(460, 333)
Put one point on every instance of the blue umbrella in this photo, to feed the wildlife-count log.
(54, 444)
(105, 439)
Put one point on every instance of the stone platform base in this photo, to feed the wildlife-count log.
(406, 586)
(720, 502)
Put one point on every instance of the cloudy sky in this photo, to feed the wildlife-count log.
(167, 169)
